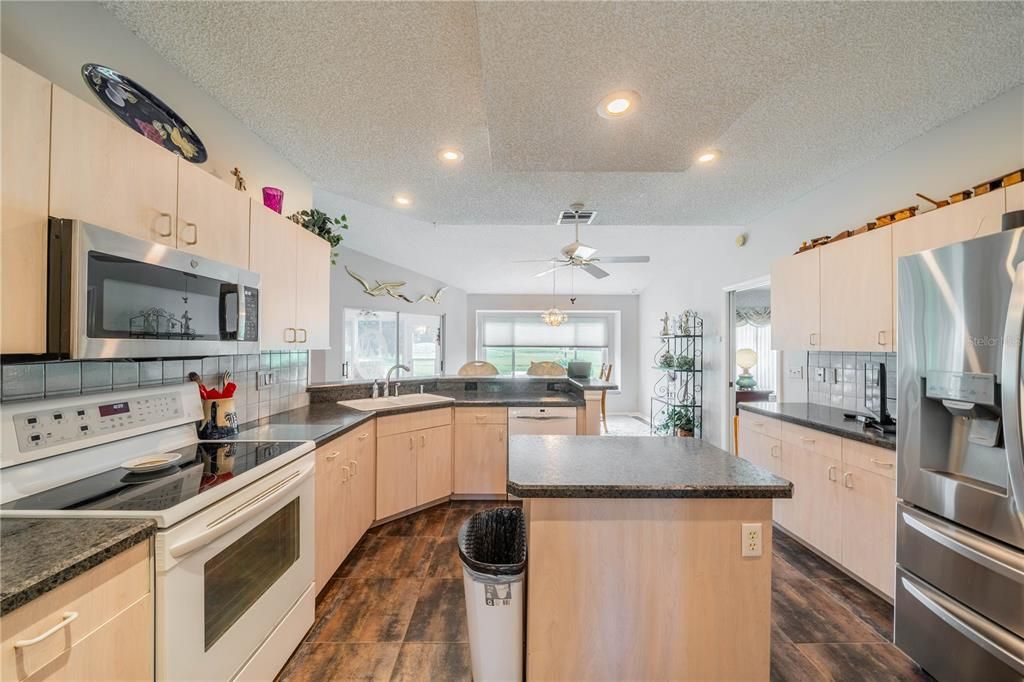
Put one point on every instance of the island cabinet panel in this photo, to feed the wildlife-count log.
(105, 173)
(624, 585)
(433, 464)
(24, 201)
(272, 253)
(480, 452)
(111, 638)
(856, 293)
(796, 302)
(212, 217)
(396, 473)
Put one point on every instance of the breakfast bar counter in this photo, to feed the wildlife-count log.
(628, 537)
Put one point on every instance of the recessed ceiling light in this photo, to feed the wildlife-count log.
(450, 155)
(708, 156)
(618, 104)
(403, 200)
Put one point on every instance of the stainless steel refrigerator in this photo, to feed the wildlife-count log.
(960, 474)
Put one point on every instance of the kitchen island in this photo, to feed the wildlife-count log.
(636, 565)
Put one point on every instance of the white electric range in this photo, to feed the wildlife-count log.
(234, 591)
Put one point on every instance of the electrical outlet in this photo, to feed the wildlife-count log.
(264, 380)
(796, 372)
(751, 539)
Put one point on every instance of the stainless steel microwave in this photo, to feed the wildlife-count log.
(110, 295)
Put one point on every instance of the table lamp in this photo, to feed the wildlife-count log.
(745, 359)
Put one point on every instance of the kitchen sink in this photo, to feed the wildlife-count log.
(395, 403)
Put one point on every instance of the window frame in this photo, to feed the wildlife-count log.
(348, 362)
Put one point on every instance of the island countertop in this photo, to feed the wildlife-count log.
(638, 466)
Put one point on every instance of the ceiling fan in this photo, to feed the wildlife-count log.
(579, 255)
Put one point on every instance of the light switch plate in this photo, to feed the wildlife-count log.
(264, 380)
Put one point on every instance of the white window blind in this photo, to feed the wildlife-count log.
(527, 329)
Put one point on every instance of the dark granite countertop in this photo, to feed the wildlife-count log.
(38, 554)
(450, 381)
(823, 418)
(638, 466)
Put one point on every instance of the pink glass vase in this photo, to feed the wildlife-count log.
(273, 198)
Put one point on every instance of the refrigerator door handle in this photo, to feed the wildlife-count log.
(993, 640)
(1012, 384)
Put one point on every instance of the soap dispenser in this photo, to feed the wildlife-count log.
(376, 389)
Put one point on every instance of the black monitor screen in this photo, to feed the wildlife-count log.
(875, 391)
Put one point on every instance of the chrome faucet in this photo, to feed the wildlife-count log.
(387, 379)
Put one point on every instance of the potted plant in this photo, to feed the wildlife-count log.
(666, 360)
(322, 225)
(684, 362)
(678, 421)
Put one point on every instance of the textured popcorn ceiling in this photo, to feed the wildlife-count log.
(360, 95)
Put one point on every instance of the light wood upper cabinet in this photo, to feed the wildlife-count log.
(212, 217)
(480, 451)
(104, 173)
(856, 293)
(313, 290)
(272, 253)
(295, 282)
(1014, 198)
(24, 200)
(433, 464)
(796, 322)
(396, 474)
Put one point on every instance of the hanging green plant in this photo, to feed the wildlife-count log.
(323, 226)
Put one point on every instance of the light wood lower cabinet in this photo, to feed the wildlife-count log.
(844, 494)
(414, 460)
(24, 190)
(480, 456)
(107, 632)
(345, 487)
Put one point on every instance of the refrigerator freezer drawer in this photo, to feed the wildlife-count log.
(949, 640)
(986, 576)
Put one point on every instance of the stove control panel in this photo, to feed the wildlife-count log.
(77, 423)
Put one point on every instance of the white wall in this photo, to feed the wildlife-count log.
(55, 39)
(348, 293)
(981, 144)
(628, 364)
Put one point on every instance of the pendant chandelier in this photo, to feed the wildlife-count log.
(553, 317)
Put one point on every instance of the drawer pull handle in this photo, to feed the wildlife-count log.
(804, 439)
(882, 463)
(774, 451)
(355, 466)
(68, 618)
(847, 479)
(758, 423)
(364, 436)
(832, 472)
(334, 455)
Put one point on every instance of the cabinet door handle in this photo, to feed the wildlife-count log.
(334, 455)
(69, 617)
(170, 225)
(423, 441)
(345, 474)
(881, 338)
(882, 463)
(305, 334)
(812, 338)
(773, 451)
(832, 472)
(195, 234)
(847, 479)
(286, 330)
(355, 467)
(501, 435)
(411, 444)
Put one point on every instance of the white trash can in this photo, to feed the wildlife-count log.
(492, 545)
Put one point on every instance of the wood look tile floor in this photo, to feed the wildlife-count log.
(395, 611)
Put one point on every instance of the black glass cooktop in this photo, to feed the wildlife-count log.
(202, 466)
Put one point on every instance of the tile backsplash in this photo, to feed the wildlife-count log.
(58, 379)
(836, 379)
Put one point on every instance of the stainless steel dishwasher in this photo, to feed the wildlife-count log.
(542, 421)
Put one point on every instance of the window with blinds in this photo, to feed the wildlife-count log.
(512, 340)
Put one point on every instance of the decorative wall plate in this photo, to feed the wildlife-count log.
(142, 111)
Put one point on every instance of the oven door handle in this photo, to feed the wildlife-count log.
(1012, 385)
(242, 513)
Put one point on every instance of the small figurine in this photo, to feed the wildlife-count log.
(680, 327)
(239, 180)
(664, 325)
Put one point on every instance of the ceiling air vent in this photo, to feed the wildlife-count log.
(569, 217)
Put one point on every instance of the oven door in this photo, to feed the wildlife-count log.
(115, 296)
(230, 576)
